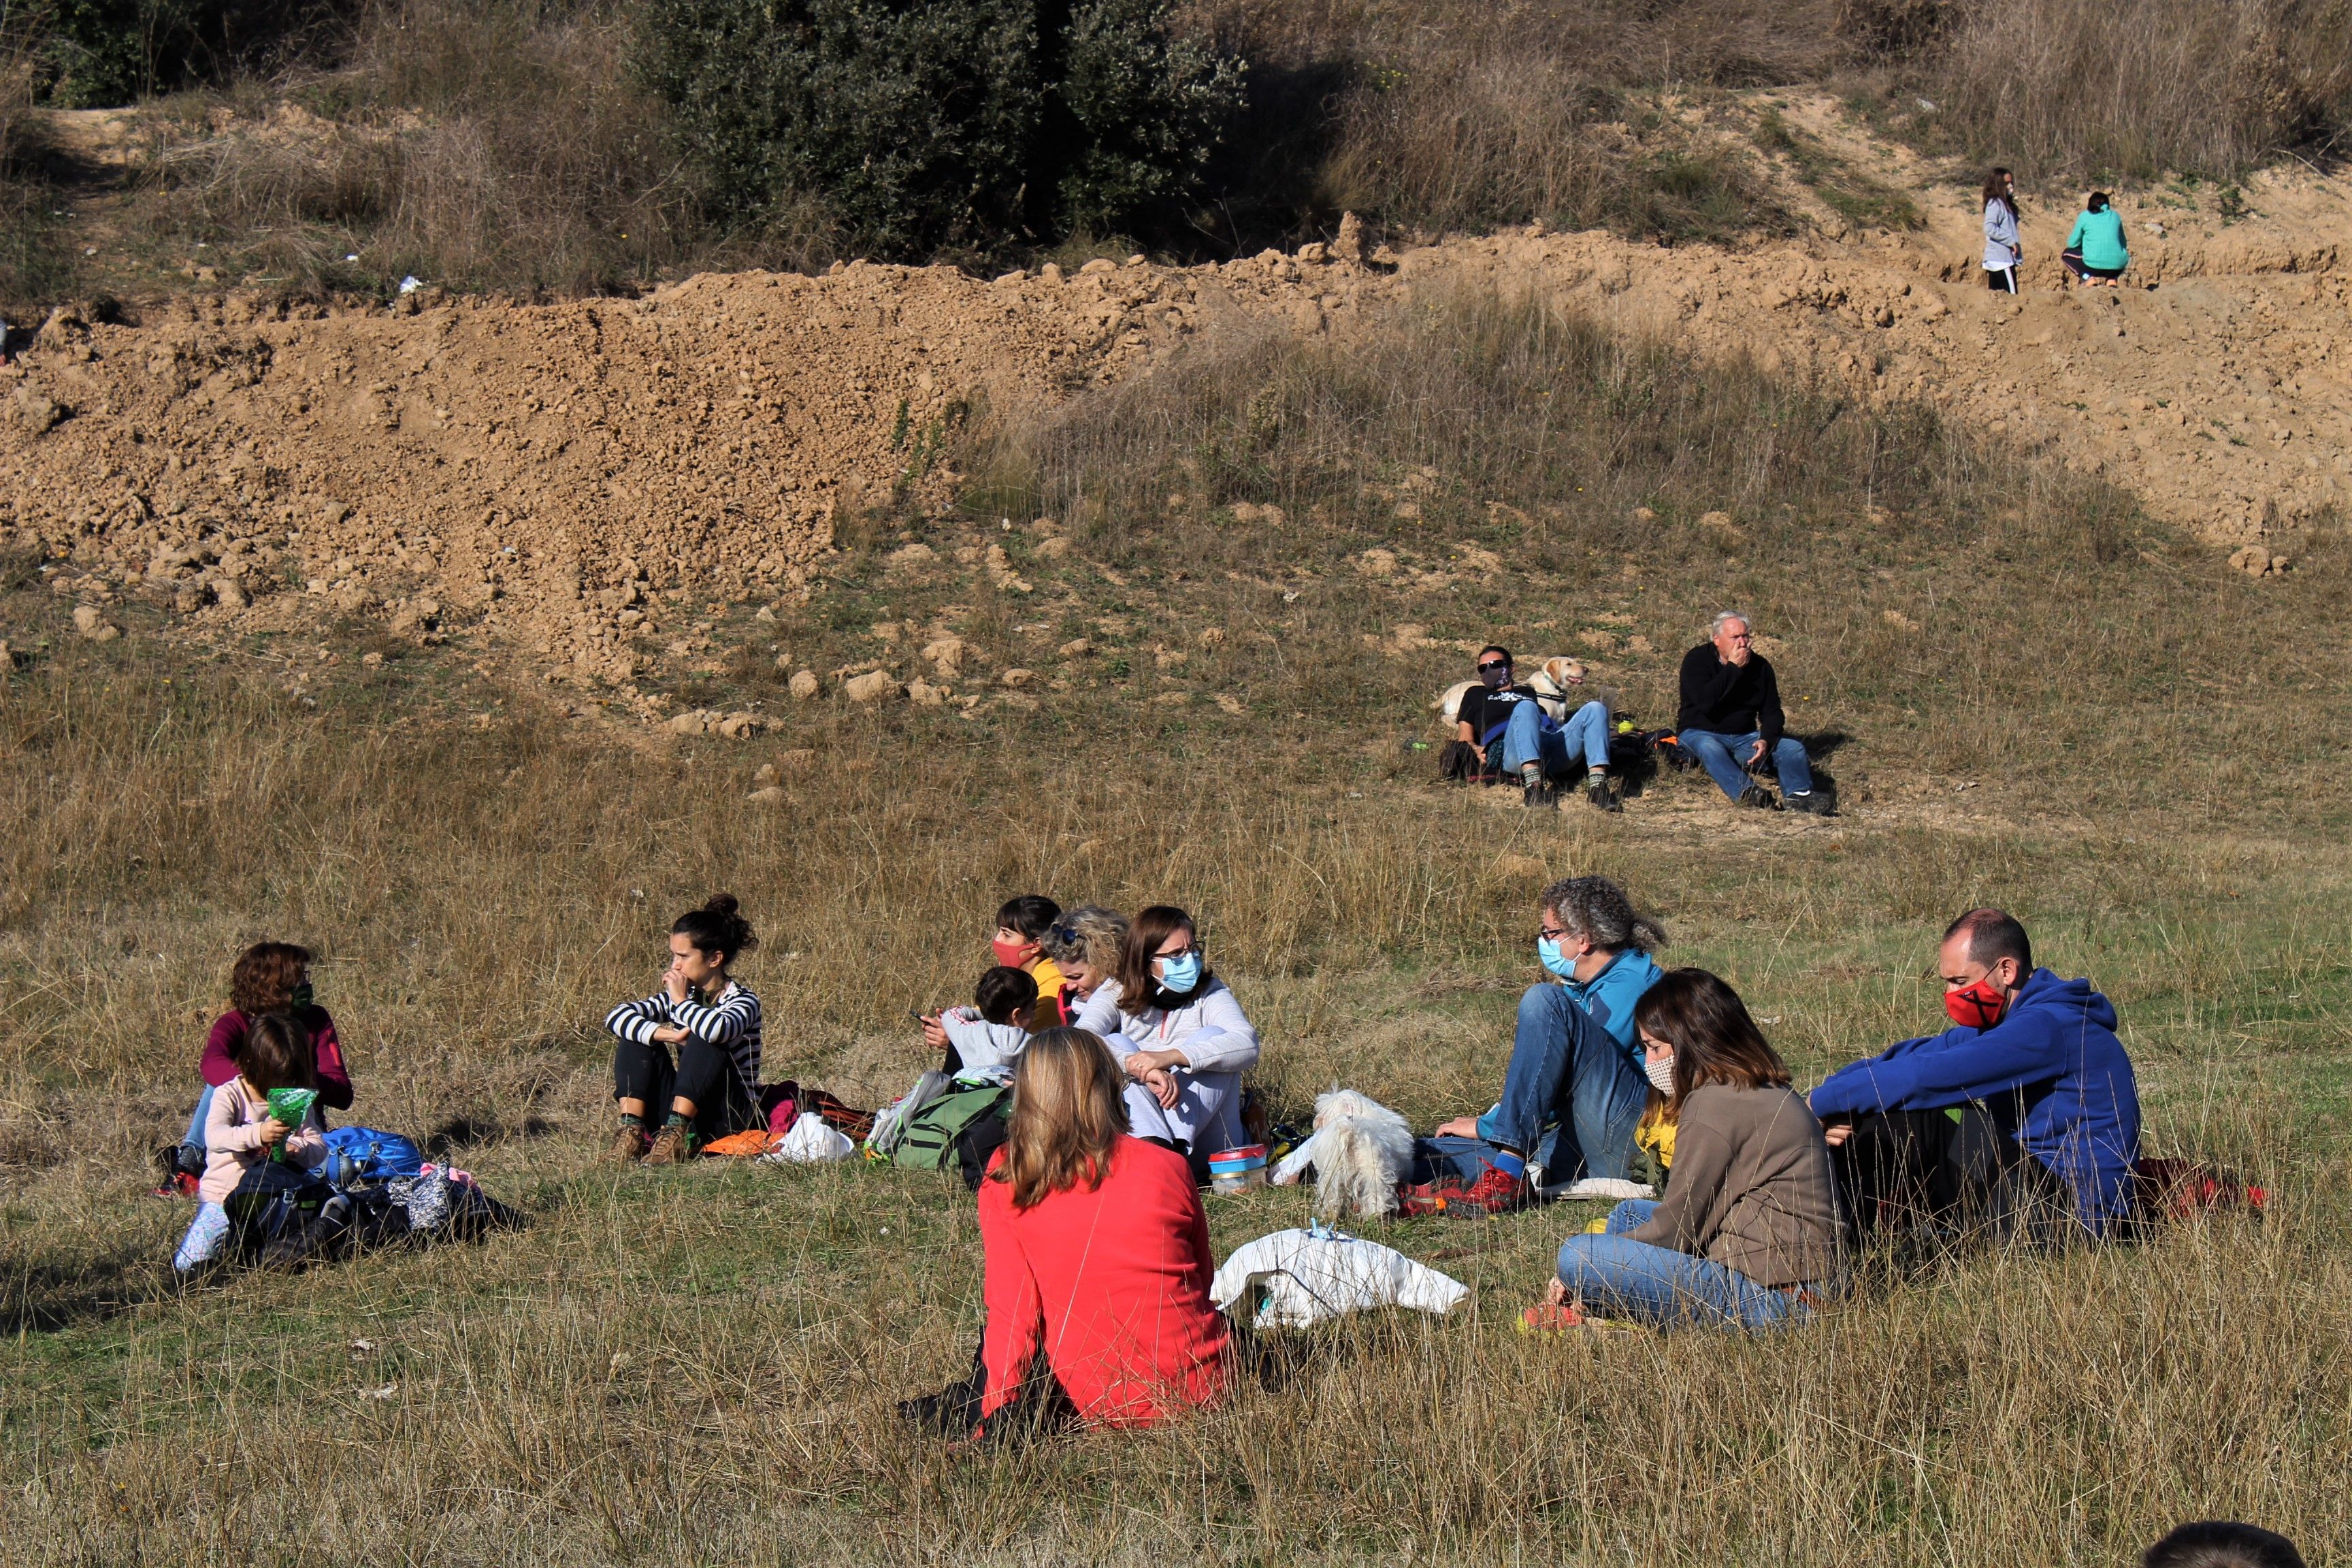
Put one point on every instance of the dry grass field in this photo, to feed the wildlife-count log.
(2027, 693)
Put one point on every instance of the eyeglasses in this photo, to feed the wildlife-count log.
(1551, 934)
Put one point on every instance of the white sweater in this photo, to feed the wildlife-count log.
(980, 1043)
(2000, 237)
(1211, 1029)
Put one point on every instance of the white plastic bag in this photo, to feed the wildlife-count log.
(809, 1142)
(1317, 1273)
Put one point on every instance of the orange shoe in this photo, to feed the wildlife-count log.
(1554, 1317)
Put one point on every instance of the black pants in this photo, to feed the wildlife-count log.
(1927, 1176)
(705, 1074)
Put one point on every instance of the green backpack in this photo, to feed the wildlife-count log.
(929, 1140)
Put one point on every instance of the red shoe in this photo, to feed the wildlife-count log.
(1494, 1192)
(1553, 1318)
(1427, 1198)
(178, 1184)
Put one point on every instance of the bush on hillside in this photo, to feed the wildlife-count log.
(923, 125)
(102, 53)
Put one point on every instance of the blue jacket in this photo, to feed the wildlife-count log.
(2058, 1044)
(1609, 996)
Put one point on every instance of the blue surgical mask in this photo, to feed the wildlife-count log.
(1559, 963)
(1181, 974)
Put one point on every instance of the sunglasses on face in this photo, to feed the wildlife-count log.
(1485, 667)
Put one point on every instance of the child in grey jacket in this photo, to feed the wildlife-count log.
(991, 1034)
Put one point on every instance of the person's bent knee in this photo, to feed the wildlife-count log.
(1542, 1002)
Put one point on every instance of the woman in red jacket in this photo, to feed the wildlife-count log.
(1097, 1250)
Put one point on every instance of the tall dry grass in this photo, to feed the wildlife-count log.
(2136, 90)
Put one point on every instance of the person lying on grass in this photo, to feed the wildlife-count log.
(990, 1032)
(1748, 1235)
(1181, 1037)
(712, 1090)
(1097, 1250)
(1574, 1091)
(2021, 1121)
(241, 1129)
(1085, 945)
(269, 977)
(1020, 927)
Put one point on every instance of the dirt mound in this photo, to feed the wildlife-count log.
(547, 469)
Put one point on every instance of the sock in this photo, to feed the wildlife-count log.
(676, 1119)
(629, 1120)
(1531, 773)
(1510, 1165)
(1592, 774)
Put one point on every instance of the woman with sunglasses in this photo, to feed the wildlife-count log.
(1181, 1037)
(1085, 945)
(1483, 722)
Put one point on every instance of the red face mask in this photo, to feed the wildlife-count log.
(1013, 954)
(1977, 1006)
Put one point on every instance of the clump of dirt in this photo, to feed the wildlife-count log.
(549, 472)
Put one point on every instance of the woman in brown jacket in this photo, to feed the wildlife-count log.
(1748, 1234)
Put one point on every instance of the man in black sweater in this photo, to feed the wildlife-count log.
(1731, 716)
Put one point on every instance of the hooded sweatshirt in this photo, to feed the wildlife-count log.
(978, 1042)
(2001, 235)
(2055, 1047)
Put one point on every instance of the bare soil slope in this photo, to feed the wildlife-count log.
(544, 467)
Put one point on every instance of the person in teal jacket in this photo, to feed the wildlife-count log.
(2095, 252)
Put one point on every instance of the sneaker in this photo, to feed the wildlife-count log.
(179, 1171)
(1423, 1199)
(1540, 795)
(1597, 791)
(1494, 1192)
(1760, 797)
(673, 1145)
(1812, 802)
(1554, 1317)
(629, 1146)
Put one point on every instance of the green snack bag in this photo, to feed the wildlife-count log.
(291, 1106)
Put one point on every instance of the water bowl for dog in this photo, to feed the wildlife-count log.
(1237, 1170)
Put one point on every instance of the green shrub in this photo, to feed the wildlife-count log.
(101, 53)
(955, 124)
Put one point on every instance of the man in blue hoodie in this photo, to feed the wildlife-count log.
(1577, 1084)
(2026, 1109)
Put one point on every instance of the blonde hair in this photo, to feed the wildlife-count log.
(1067, 1116)
(1090, 935)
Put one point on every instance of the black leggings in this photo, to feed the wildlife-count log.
(705, 1074)
(2002, 279)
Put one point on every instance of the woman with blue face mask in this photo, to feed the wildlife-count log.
(1180, 1036)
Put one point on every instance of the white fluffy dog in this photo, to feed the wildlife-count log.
(1360, 1151)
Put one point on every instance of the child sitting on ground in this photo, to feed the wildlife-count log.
(992, 1034)
(240, 1132)
(269, 977)
(1021, 927)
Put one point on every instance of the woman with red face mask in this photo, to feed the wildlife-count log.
(1021, 927)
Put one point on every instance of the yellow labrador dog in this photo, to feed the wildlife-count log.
(1554, 682)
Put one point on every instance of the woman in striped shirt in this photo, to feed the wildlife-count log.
(713, 1088)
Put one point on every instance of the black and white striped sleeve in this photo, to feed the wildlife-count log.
(638, 1020)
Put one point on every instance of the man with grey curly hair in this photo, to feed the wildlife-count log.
(1731, 717)
(1578, 1082)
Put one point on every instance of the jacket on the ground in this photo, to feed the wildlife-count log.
(2001, 244)
(1720, 698)
(2099, 236)
(2056, 1049)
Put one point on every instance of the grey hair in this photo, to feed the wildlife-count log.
(1088, 934)
(1597, 908)
(1715, 627)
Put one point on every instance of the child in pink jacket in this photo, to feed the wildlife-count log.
(240, 1134)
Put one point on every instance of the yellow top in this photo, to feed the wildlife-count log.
(1047, 1013)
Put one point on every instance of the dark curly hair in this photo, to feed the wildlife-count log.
(717, 928)
(266, 976)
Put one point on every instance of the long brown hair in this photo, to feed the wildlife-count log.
(1713, 1038)
(266, 976)
(1067, 1116)
(278, 1054)
(1996, 189)
(1151, 926)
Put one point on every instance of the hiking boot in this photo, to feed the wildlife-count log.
(1811, 803)
(673, 1145)
(629, 1146)
(1757, 795)
(1597, 791)
(1494, 1192)
(1540, 794)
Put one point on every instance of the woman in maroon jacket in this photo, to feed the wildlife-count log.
(269, 977)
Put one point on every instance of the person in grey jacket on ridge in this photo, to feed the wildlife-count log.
(2004, 251)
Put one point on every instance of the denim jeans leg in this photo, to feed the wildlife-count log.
(1615, 1277)
(1631, 1214)
(195, 1138)
(1565, 1068)
(1523, 738)
(1715, 754)
(1588, 735)
(1796, 769)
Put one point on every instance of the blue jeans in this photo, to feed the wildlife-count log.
(1724, 757)
(1617, 1278)
(1566, 1071)
(195, 1138)
(1529, 739)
